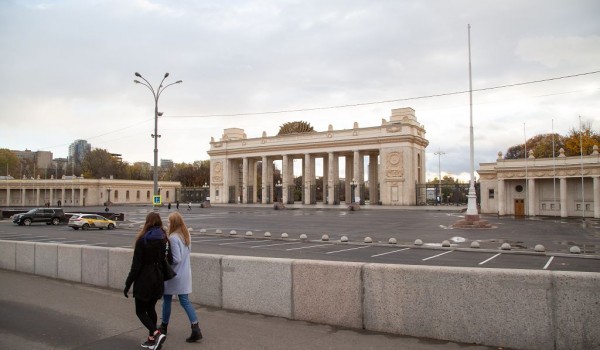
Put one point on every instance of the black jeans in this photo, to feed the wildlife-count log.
(145, 311)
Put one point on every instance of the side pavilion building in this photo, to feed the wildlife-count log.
(395, 154)
(564, 186)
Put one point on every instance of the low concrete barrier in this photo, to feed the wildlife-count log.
(523, 309)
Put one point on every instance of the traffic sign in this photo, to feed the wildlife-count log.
(157, 200)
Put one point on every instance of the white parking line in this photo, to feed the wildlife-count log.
(271, 245)
(237, 242)
(214, 240)
(548, 263)
(345, 250)
(10, 236)
(393, 251)
(435, 256)
(310, 246)
(483, 262)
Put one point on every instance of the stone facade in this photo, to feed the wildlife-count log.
(82, 192)
(564, 186)
(396, 152)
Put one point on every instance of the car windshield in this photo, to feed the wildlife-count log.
(32, 211)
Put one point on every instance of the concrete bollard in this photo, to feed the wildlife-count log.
(505, 246)
(539, 248)
(475, 245)
(284, 235)
(325, 238)
(233, 232)
(445, 243)
(418, 242)
(575, 250)
(218, 231)
(392, 241)
(190, 229)
(344, 239)
(267, 234)
(368, 240)
(202, 230)
(248, 233)
(303, 237)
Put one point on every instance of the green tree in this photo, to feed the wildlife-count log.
(9, 163)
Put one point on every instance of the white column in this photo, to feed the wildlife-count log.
(325, 179)
(37, 197)
(245, 180)
(532, 198)
(62, 196)
(563, 197)
(356, 174)
(270, 180)
(373, 199)
(331, 177)
(264, 180)
(307, 177)
(51, 197)
(82, 191)
(7, 195)
(596, 203)
(501, 197)
(285, 164)
(23, 191)
(348, 175)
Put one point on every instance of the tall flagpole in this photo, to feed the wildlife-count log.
(472, 213)
(581, 158)
(553, 166)
(526, 175)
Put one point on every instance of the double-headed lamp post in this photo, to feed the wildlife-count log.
(156, 94)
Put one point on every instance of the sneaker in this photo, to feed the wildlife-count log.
(159, 339)
(148, 344)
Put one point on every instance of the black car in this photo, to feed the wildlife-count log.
(51, 216)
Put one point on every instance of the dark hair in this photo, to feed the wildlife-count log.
(152, 220)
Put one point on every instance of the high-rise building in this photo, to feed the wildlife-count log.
(41, 159)
(78, 150)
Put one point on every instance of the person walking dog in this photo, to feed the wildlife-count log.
(180, 285)
(146, 275)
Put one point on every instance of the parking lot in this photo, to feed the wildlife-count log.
(405, 226)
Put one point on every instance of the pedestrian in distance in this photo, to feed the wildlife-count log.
(190, 206)
(146, 275)
(177, 205)
(169, 206)
(181, 285)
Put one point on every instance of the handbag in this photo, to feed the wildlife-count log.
(168, 272)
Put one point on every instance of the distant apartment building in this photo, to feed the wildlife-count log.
(41, 159)
(78, 150)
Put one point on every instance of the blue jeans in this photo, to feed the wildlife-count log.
(184, 300)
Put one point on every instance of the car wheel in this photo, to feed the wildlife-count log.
(27, 222)
(55, 221)
(85, 226)
(111, 226)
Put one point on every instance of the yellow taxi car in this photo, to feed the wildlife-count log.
(87, 221)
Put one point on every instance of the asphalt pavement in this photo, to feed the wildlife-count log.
(39, 313)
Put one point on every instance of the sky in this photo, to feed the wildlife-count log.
(67, 69)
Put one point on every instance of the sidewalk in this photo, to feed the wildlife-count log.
(42, 313)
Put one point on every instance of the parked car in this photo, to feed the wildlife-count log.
(87, 221)
(51, 216)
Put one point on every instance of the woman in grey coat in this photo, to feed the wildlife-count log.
(180, 285)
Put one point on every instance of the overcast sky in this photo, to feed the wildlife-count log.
(67, 70)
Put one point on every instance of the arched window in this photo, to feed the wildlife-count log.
(167, 194)
(137, 196)
(148, 195)
(127, 195)
(418, 168)
(116, 194)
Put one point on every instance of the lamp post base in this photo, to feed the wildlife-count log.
(472, 221)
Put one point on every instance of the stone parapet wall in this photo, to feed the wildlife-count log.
(525, 309)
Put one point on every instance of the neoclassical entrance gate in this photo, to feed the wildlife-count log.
(395, 152)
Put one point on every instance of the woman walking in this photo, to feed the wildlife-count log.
(146, 275)
(180, 285)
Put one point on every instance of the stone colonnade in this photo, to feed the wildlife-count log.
(395, 152)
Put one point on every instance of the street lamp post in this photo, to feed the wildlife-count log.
(472, 213)
(439, 154)
(278, 185)
(352, 188)
(156, 94)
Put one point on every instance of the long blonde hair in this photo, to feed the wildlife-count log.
(176, 224)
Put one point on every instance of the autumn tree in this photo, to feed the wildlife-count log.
(98, 163)
(9, 163)
(578, 137)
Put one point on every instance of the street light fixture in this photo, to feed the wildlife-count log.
(156, 94)
(278, 185)
(439, 154)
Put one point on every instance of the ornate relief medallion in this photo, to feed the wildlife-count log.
(394, 166)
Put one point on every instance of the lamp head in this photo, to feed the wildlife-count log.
(138, 74)
(179, 81)
(136, 81)
(166, 75)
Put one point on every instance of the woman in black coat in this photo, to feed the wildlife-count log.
(146, 275)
